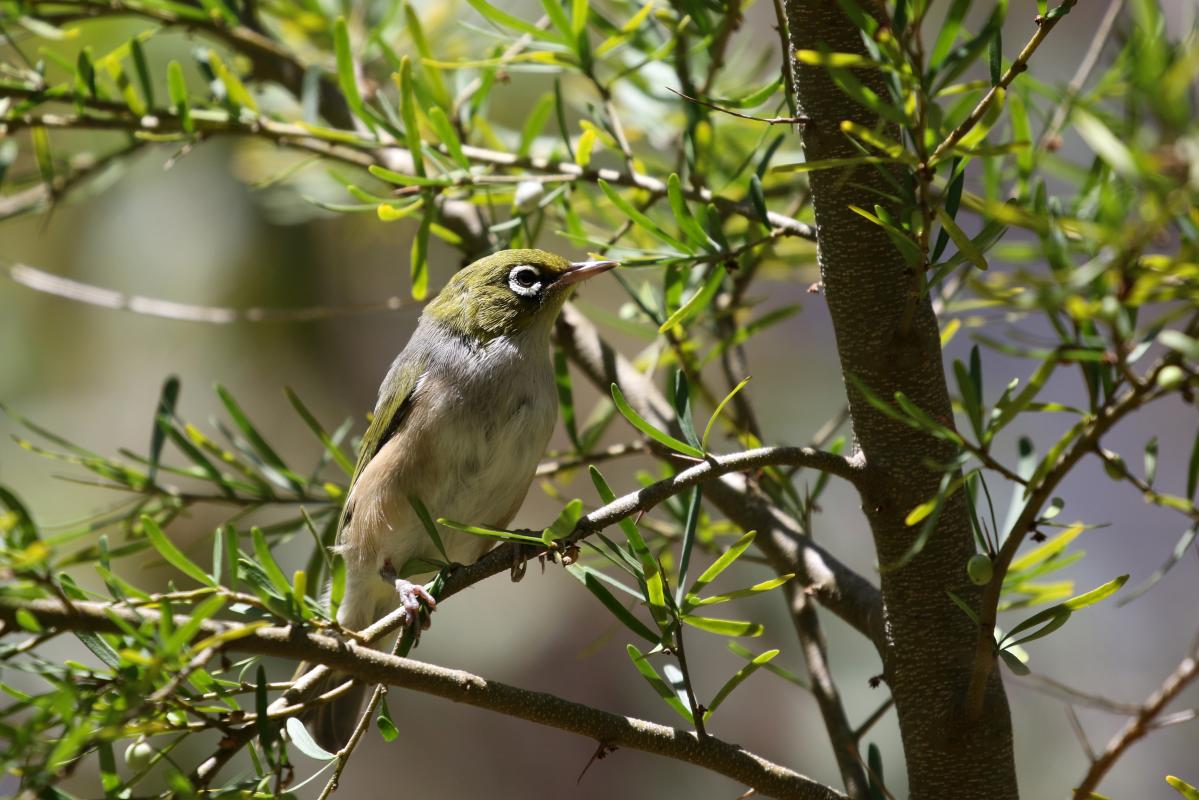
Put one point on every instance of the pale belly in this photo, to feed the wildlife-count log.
(468, 455)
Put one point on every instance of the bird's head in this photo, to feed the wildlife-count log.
(509, 292)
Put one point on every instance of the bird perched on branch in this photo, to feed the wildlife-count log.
(463, 416)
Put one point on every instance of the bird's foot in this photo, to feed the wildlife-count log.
(520, 562)
(411, 595)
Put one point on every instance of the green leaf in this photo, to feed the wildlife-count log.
(1193, 469)
(21, 520)
(505, 20)
(566, 403)
(171, 554)
(85, 70)
(725, 627)
(1006, 410)
(963, 242)
(579, 10)
(304, 742)
(785, 674)
(686, 222)
(1105, 144)
(448, 136)
(234, 88)
(345, 74)
(166, 408)
(640, 219)
(690, 525)
(553, 10)
(1014, 663)
(930, 516)
(660, 686)
(420, 255)
(426, 520)
(962, 604)
(266, 560)
(534, 122)
(589, 578)
(100, 648)
(143, 71)
(1054, 617)
(583, 149)
(651, 572)
(331, 447)
(722, 563)
(564, 524)
(489, 533)
(757, 199)
(948, 34)
(719, 408)
(1047, 550)
(560, 115)
(1180, 342)
(732, 683)
(261, 448)
(649, 430)
(385, 724)
(1183, 788)
(177, 89)
(188, 630)
(408, 113)
(757, 588)
(697, 302)
(1151, 461)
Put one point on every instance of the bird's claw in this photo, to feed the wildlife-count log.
(411, 595)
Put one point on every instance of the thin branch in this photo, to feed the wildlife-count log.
(545, 709)
(795, 120)
(1141, 724)
(364, 720)
(363, 152)
(552, 466)
(41, 281)
(42, 195)
(1079, 733)
(815, 651)
(984, 656)
(639, 502)
(1044, 25)
(1098, 42)
(271, 60)
(1055, 688)
(874, 717)
(837, 587)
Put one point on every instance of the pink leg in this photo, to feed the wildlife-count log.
(411, 595)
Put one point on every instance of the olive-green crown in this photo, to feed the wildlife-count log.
(479, 300)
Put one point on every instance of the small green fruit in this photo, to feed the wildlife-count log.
(979, 569)
(1114, 466)
(1171, 377)
(138, 755)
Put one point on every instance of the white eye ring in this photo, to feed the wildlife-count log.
(524, 280)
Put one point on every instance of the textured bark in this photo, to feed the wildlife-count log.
(928, 643)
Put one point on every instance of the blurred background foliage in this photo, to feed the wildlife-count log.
(246, 221)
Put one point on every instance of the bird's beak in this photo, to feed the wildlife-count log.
(582, 270)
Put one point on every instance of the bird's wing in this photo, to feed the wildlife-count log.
(395, 403)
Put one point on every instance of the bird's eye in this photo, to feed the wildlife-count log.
(524, 280)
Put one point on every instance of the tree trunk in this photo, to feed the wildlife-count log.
(929, 643)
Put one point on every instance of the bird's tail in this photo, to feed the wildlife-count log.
(332, 723)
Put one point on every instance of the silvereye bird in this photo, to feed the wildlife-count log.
(463, 417)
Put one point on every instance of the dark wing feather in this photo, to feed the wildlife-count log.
(395, 401)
